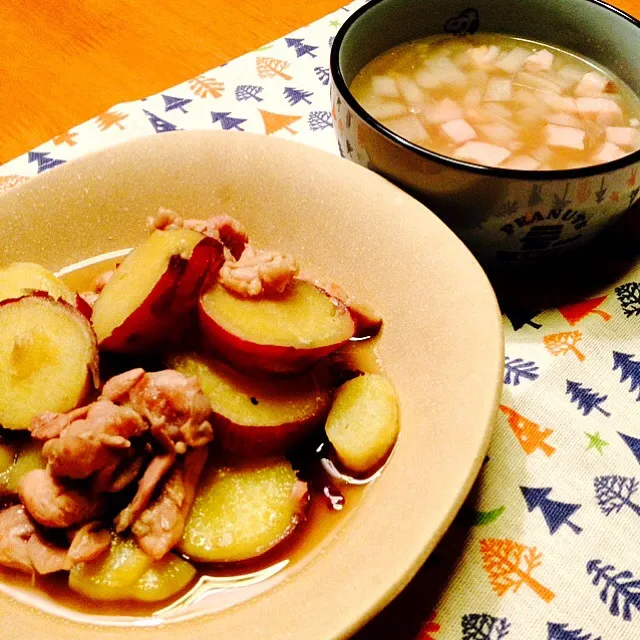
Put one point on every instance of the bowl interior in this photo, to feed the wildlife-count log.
(442, 347)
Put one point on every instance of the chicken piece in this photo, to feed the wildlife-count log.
(160, 527)
(154, 473)
(126, 474)
(483, 153)
(592, 84)
(117, 388)
(48, 425)
(47, 557)
(15, 530)
(95, 442)
(89, 542)
(565, 137)
(458, 130)
(258, 271)
(623, 136)
(52, 504)
(539, 61)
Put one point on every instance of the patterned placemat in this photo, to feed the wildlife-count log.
(545, 547)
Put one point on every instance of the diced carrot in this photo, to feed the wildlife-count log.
(483, 153)
(567, 137)
(458, 130)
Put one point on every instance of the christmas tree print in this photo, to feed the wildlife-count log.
(293, 96)
(480, 518)
(559, 344)
(8, 182)
(573, 313)
(65, 138)
(615, 492)
(629, 370)
(620, 588)
(587, 399)
(601, 193)
(248, 92)
(562, 201)
(507, 208)
(521, 317)
(583, 192)
(44, 162)
(535, 197)
(171, 103)
(270, 67)
(319, 120)
(274, 122)
(322, 73)
(629, 298)
(331, 39)
(227, 122)
(517, 368)
(531, 436)
(160, 125)
(596, 442)
(429, 628)
(562, 632)
(205, 87)
(335, 23)
(555, 513)
(632, 443)
(632, 177)
(615, 196)
(509, 565)
(301, 49)
(109, 119)
(482, 626)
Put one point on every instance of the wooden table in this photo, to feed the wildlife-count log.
(65, 61)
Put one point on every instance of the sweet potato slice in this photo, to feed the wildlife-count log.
(363, 422)
(254, 415)
(48, 358)
(243, 510)
(24, 278)
(153, 290)
(163, 579)
(281, 334)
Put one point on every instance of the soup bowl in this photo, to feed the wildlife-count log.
(505, 216)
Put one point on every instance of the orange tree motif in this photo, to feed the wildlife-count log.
(562, 343)
(270, 67)
(430, 626)
(65, 138)
(8, 182)
(204, 87)
(275, 121)
(509, 565)
(109, 118)
(531, 436)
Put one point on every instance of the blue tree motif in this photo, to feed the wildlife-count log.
(555, 513)
(44, 162)
(226, 121)
(561, 632)
(561, 201)
(248, 92)
(160, 125)
(615, 492)
(322, 74)
(300, 48)
(629, 370)
(601, 194)
(482, 626)
(293, 96)
(331, 39)
(621, 587)
(171, 103)
(587, 399)
(632, 443)
(516, 368)
(319, 120)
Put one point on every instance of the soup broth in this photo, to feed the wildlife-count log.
(501, 101)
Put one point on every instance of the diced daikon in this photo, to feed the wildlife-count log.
(514, 60)
(565, 104)
(408, 127)
(608, 152)
(383, 110)
(525, 97)
(498, 133)
(607, 111)
(442, 111)
(410, 91)
(634, 122)
(567, 137)
(592, 84)
(484, 56)
(385, 87)
(473, 97)
(539, 61)
(524, 162)
(564, 119)
(482, 153)
(458, 130)
(531, 116)
(498, 90)
(569, 75)
(498, 110)
(623, 136)
(533, 81)
(542, 154)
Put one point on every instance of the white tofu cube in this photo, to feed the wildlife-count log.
(410, 90)
(490, 155)
(564, 104)
(408, 127)
(592, 84)
(539, 61)
(498, 133)
(442, 111)
(608, 152)
(605, 110)
(523, 162)
(385, 87)
(388, 109)
(566, 137)
(514, 60)
(498, 90)
(623, 136)
(458, 130)
(564, 119)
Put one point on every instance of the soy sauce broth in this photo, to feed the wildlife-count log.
(498, 100)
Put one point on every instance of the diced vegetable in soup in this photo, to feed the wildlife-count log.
(501, 101)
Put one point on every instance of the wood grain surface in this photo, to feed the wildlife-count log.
(65, 61)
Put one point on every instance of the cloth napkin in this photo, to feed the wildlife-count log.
(546, 546)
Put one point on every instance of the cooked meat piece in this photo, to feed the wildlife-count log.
(47, 557)
(176, 408)
(15, 530)
(49, 425)
(126, 474)
(89, 542)
(95, 442)
(152, 476)
(52, 504)
(160, 527)
(258, 271)
(117, 388)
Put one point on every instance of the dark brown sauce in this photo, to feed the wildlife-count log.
(331, 501)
